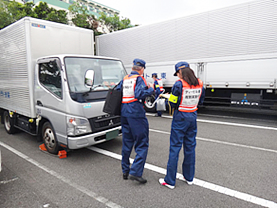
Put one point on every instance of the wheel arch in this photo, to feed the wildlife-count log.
(40, 125)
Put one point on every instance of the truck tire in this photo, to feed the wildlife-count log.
(49, 138)
(8, 123)
(148, 104)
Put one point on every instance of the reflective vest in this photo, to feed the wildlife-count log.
(129, 84)
(160, 82)
(190, 96)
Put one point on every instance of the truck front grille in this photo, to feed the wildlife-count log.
(104, 122)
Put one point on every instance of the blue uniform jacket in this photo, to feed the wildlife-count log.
(157, 90)
(177, 91)
(135, 109)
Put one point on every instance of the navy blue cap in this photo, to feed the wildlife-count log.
(139, 62)
(179, 66)
(154, 74)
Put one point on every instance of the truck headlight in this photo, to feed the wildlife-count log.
(77, 126)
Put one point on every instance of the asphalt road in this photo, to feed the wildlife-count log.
(236, 165)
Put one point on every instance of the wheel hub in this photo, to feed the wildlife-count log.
(49, 138)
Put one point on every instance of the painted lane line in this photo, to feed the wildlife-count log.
(198, 182)
(238, 124)
(8, 181)
(221, 142)
(84, 190)
(227, 123)
(237, 145)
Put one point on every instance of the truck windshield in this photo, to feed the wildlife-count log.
(107, 73)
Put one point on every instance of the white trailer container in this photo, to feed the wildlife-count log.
(43, 91)
(233, 50)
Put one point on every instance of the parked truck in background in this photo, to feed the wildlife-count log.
(53, 87)
(232, 50)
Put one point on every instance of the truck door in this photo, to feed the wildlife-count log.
(49, 95)
(201, 72)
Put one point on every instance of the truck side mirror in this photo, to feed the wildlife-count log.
(89, 77)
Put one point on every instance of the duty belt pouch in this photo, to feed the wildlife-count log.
(161, 105)
(113, 102)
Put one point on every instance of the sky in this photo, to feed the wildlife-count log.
(144, 12)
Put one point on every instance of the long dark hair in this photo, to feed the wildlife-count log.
(189, 76)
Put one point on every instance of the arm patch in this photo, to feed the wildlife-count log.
(173, 98)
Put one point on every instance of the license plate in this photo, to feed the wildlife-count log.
(112, 134)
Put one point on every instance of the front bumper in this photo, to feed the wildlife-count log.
(94, 138)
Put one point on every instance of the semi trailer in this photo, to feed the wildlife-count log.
(52, 86)
(232, 50)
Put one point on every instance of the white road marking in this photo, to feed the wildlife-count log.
(227, 123)
(237, 145)
(198, 182)
(238, 124)
(84, 190)
(8, 181)
(221, 142)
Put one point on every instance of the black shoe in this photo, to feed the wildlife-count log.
(139, 179)
(125, 176)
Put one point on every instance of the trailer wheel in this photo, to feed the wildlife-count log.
(148, 104)
(8, 124)
(49, 138)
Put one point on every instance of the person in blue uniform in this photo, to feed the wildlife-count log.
(158, 87)
(186, 94)
(135, 127)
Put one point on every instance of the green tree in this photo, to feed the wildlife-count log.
(11, 11)
(5, 18)
(43, 11)
(81, 20)
(57, 16)
(81, 17)
(114, 23)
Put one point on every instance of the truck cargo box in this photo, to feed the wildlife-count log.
(21, 44)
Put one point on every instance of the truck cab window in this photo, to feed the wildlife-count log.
(50, 77)
(107, 73)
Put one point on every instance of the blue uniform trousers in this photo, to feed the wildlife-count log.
(135, 132)
(183, 132)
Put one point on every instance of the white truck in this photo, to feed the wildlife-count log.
(53, 87)
(232, 50)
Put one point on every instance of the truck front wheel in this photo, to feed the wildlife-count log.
(8, 123)
(49, 138)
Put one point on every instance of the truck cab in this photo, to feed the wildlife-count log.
(70, 91)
